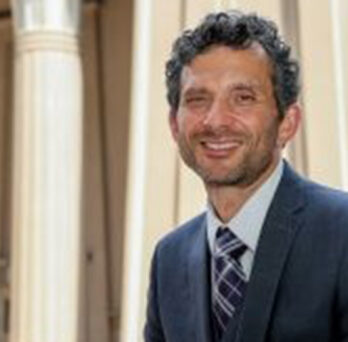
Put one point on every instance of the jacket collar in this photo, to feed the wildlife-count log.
(199, 283)
(281, 225)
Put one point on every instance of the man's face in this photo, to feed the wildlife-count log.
(227, 125)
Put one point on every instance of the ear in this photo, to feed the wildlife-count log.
(173, 123)
(289, 125)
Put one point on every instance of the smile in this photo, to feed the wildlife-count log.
(221, 146)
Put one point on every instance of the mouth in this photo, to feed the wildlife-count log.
(220, 148)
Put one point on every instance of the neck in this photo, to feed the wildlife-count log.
(228, 199)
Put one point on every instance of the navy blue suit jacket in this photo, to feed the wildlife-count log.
(298, 288)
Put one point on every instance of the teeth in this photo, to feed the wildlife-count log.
(221, 146)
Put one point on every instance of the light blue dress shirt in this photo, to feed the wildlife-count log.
(248, 221)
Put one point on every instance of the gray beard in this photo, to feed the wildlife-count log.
(242, 175)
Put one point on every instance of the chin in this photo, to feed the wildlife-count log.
(223, 178)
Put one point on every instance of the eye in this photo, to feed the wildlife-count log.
(196, 101)
(245, 98)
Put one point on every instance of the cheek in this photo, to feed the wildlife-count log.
(262, 132)
(190, 125)
(270, 135)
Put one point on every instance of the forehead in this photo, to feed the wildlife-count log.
(226, 64)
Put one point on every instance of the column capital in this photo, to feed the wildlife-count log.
(47, 40)
(42, 15)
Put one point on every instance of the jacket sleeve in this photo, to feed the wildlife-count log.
(153, 331)
(343, 298)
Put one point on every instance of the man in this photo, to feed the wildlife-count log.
(268, 261)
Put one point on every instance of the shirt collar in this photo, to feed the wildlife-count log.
(248, 221)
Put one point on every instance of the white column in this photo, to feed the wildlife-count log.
(339, 11)
(324, 90)
(151, 186)
(47, 172)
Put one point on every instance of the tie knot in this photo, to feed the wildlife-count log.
(227, 243)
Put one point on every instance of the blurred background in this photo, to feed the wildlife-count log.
(82, 93)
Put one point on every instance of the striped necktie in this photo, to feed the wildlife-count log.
(229, 280)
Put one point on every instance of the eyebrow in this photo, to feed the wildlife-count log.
(195, 91)
(234, 86)
(245, 86)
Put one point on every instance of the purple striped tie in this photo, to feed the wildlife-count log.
(230, 282)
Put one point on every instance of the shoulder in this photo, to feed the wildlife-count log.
(184, 234)
(326, 215)
(322, 210)
(330, 201)
(316, 196)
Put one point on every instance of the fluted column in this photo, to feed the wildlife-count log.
(325, 92)
(47, 171)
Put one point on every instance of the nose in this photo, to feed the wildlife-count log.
(218, 115)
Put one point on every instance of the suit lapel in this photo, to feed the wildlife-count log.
(199, 283)
(276, 238)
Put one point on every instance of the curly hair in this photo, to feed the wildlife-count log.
(237, 30)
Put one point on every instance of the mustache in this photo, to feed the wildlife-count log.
(221, 133)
